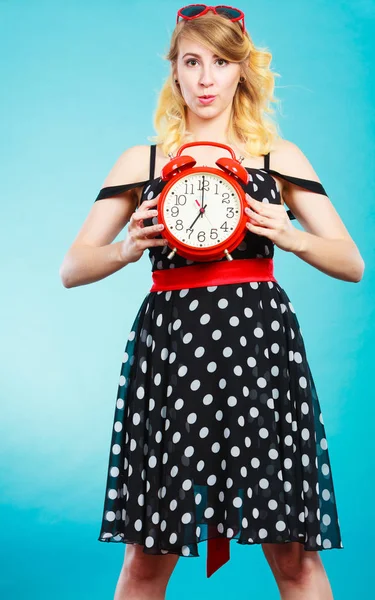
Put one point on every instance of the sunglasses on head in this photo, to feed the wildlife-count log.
(193, 11)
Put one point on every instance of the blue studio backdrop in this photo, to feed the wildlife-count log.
(79, 85)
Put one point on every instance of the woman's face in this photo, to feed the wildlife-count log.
(199, 72)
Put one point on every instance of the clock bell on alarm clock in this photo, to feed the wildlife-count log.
(203, 208)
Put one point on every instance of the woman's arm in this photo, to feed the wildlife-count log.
(326, 243)
(92, 256)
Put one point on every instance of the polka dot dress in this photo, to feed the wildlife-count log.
(217, 428)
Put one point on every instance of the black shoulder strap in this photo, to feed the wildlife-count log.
(308, 184)
(115, 190)
(267, 161)
(152, 160)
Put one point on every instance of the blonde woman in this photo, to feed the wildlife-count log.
(218, 433)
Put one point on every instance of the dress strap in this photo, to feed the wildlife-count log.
(267, 161)
(115, 190)
(152, 160)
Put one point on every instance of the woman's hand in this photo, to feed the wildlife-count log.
(140, 237)
(272, 221)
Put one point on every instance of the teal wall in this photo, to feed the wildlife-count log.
(79, 85)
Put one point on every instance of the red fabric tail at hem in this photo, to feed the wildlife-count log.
(218, 551)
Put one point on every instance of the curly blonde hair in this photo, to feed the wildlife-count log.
(250, 124)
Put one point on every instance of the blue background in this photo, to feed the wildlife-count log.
(79, 85)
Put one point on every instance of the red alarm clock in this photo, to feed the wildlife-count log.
(203, 208)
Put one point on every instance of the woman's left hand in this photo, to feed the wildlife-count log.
(272, 221)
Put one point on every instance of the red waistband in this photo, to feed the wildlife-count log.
(214, 273)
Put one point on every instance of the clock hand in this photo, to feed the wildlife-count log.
(199, 214)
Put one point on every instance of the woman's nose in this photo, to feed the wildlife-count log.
(206, 79)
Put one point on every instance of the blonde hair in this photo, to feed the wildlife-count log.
(250, 124)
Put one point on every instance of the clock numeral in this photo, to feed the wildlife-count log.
(181, 199)
(175, 211)
(179, 225)
(230, 212)
(217, 189)
(201, 236)
(190, 231)
(191, 188)
(224, 226)
(213, 234)
(203, 184)
(225, 198)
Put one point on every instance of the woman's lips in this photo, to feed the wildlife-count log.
(207, 100)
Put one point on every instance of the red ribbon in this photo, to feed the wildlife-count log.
(214, 273)
(202, 275)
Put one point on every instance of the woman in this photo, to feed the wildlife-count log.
(217, 433)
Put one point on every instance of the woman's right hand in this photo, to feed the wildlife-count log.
(139, 236)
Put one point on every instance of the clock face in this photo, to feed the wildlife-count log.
(202, 209)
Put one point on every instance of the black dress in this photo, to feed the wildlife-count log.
(218, 430)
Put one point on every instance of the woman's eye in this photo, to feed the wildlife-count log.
(194, 60)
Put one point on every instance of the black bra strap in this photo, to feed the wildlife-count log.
(152, 160)
(267, 161)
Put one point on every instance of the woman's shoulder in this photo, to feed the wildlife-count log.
(132, 165)
(287, 158)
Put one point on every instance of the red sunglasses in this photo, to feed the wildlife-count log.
(193, 11)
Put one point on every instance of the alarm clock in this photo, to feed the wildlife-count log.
(203, 208)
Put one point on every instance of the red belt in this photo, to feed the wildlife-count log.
(215, 273)
(202, 275)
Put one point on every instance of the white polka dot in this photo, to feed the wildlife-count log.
(223, 303)
(189, 451)
(211, 367)
(199, 351)
(234, 321)
(193, 305)
(216, 335)
(205, 319)
(204, 432)
(195, 385)
(227, 351)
